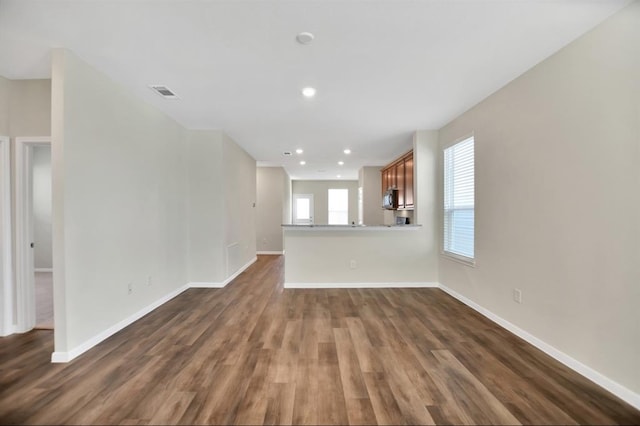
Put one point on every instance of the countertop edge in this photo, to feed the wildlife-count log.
(350, 227)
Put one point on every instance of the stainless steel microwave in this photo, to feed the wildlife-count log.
(390, 199)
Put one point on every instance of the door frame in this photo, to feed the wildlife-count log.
(6, 308)
(25, 286)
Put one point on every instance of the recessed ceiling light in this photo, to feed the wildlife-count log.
(338, 176)
(340, 163)
(302, 163)
(347, 151)
(308, 92)
(304, 38)
(299, 151)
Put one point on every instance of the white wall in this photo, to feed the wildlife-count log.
(119, 202)
(425, 198)
(25, 107)
(371, 183)
(239, 171)
(5, 90)
(206, 215)
(288, 195)
(272, 193)
(137, 199)
(558, 201)
(221, 216)
(42, 207)
(320, 191)
(30, 107)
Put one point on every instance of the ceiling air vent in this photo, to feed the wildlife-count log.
(164, 91)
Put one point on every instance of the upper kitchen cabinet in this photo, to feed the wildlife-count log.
(408, 181)
(400, 183)
(399, 175)
(389, 178)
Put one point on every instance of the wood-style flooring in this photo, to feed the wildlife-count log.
(255, 353)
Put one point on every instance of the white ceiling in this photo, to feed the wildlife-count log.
(383, 69)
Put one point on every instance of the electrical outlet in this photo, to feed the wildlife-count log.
(353, 264)
(130, 288)
(149, 280)
(517, 295)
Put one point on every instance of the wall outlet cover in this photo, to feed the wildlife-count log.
(517, 295)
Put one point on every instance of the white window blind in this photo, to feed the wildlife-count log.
(338, 207)
(459, 199)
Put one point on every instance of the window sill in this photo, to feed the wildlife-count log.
(459, 259)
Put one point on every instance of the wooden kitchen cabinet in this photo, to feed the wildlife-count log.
(385, 180)
(408, 182)
(400, 183)
(399, 175)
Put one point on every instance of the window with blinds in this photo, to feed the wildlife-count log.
(459, 200)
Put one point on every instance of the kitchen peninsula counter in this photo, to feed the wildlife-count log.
(350, 256)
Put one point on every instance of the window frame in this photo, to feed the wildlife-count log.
(457, 257)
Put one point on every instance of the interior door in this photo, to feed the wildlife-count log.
(303, 209)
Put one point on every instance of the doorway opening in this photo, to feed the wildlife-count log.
(34, 267)
(42, 255)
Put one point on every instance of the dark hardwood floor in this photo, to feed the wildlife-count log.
(254, 353)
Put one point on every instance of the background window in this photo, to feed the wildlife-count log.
(338, 207)
(459, 200)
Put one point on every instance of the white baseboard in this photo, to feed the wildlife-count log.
(79, 350)
(363, 285)
(270, 252)
(8, 330)
(43, 269)
(614, 387)
(204, 284)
